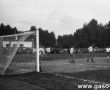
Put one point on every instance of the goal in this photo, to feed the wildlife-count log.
(19, 53)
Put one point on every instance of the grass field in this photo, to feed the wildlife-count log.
(59, 74)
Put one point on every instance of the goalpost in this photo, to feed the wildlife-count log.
(19, 53)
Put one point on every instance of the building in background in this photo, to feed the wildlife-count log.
(28, 44)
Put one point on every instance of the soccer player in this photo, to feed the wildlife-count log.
(48, 50)
(90, 49)
(108, 53)
(72, 55)
(41, 57)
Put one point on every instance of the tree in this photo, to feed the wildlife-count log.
(90, 33)
(33, 28)
(65, 41)
(7, 30)
(47, 39)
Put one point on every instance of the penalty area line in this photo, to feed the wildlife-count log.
(84, 80)
(94, 65)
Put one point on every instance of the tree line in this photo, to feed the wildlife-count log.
(46, 38)
(91, 33)
(8, 30)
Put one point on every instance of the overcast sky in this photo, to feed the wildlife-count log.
(60, 16)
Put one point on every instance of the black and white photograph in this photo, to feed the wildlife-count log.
(54, 44)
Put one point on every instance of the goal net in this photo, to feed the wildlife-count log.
(18, 53)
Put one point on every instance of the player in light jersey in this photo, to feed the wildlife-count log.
(108, 53)
(48, 50)
(90, 50)
(41, 57)
(72, 55)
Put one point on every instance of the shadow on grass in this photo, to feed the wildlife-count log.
(44, 80)
(3, 87)
(95, 75)
(53, 82)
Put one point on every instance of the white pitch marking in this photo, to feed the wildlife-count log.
(95, 65)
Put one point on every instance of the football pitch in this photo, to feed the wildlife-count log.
(60, 63)
(59, 74)
(81, 64)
